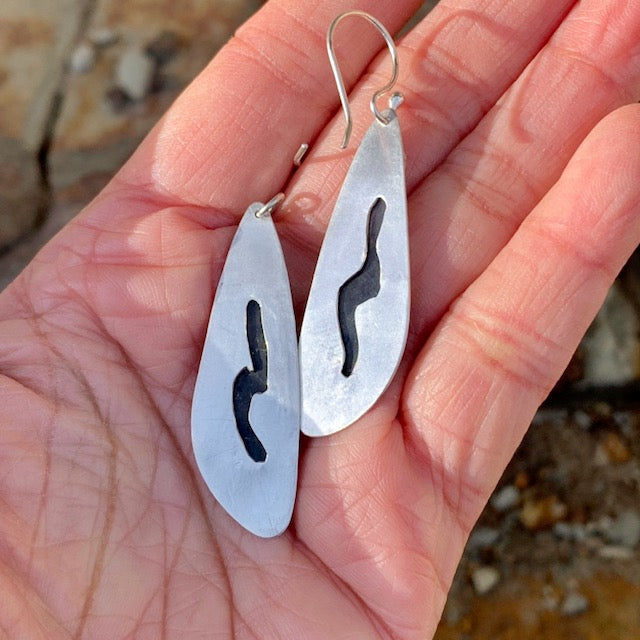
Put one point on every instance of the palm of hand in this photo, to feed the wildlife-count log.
(106, 529)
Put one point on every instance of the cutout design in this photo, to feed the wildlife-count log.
(250, 382)
(357, 316)
(360, 287)
(245, 415)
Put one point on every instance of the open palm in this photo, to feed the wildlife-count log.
(522, 211)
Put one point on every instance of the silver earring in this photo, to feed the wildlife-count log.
(245, 417)
(355, 324)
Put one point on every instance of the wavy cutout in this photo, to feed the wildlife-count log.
(248, 383)
(360, 287)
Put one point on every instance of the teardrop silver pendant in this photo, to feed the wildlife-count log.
(355, 324)
(245, 415)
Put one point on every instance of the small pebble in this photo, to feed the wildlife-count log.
(599, 527)
(542, 513)
(550, 600)
(134, 73)
(615, 448)
(582, 419)
(569, 531)
(574, 604)
(625, 530)
(482, 538)
(484, 579)
(625, 422)
(613, 552)
(505, 499)
(164, 47)
(82, 59)
(102, 36)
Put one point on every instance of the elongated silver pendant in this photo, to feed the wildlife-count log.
(245, 416)
(355, 324)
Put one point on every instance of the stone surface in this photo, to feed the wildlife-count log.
(612, 344)
(82, 59)
(482, 538)
(102, 36)
(574, 604)
(505, 498)
(484, 579)
(93, 136)
(134, 73)
(542, 513)
(36, 39)
(625, 529)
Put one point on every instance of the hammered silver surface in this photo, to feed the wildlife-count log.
(331, 401)
(258, 495)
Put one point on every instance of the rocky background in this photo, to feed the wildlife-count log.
(556, 553)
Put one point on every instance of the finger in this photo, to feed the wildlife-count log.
(497, 353)
(453, 67)
(230, 138)
(474, 202)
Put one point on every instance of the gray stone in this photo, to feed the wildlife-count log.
(612, 345)
(569, 531)
(574, 604)
(484, 579)
(582, 419)
(506, 498)
(83, 58)
(615, 552)
(482, 538)
(102, 36)
(134, 73)
(625, 530)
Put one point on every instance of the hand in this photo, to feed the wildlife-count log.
(522, 210)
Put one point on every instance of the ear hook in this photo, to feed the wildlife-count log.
(338, 76)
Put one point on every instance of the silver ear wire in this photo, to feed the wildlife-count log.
(338, 76)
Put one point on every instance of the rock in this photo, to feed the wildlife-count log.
(550, 598)
(484, 579)
(164, 47)
(134, 73)
(614, 552)
(36, 40)
(102, 37)
(612, 449)
(574, 532)
(599, 527)
(482, 538)
(505, 498)
(625, 530)
(574, 604)
(83, 58)
(97, 132)
(582, 419)
(542, 513)
(626, 422)
(612, 344)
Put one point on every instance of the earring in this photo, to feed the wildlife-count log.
(355, 324)
(245, 415)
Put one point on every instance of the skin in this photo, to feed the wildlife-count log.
(524, 203)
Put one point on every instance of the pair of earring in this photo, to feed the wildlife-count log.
(256, 389)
